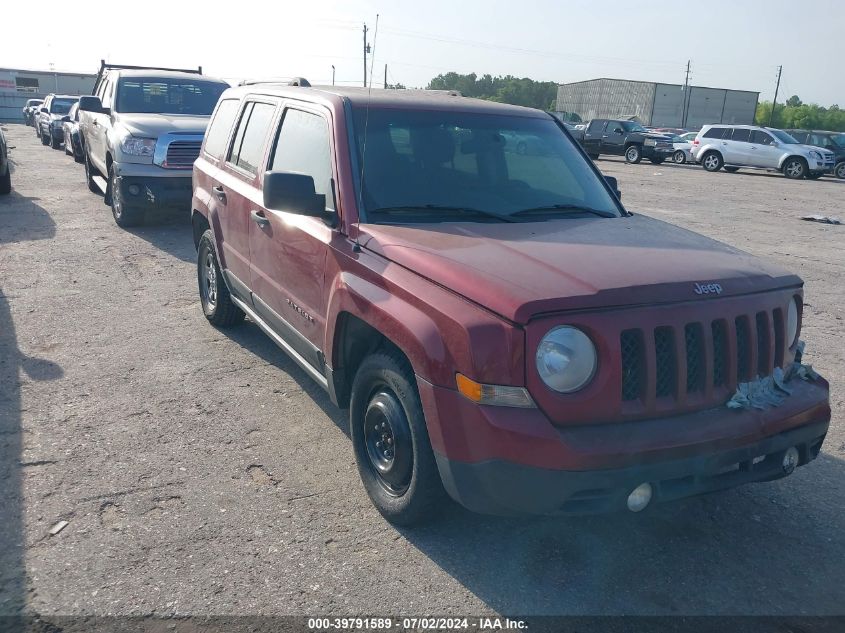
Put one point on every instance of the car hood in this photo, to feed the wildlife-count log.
(152, 125)
(813, 148)
(526, 269)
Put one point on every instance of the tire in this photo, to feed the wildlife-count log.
(633, 154)
(125, 215)
(55, 143)
(731, 170)
(839, 170)
(712, 161)
(69, 149)
(89, 174)
(6, 182)
(679, 157)
(795, 168)
(657, 161)
(390, 441)
(216, 302)
(45, 139)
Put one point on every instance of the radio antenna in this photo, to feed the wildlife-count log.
(357, 246)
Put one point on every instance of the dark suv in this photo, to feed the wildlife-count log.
(626, 138)
(832, 141)
(459, 275)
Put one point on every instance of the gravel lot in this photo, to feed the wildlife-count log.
(201, 472)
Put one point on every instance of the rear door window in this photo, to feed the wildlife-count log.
(247, 151)
(303, 147)
(218, 132)
(741, 134)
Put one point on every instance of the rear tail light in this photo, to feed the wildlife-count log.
(695, 141)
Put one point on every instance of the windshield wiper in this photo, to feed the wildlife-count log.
(446, 208)
(568, 208)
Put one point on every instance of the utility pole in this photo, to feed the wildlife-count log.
(775, 100)
(366, 50)
(685, 105)
(385, 76)
(332, 74)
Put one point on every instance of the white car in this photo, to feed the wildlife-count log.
(736, 146)
(683, 147)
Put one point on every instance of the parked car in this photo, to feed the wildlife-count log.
(5, 168)
(498, 325)
(670, 131)
(625, 138)
(70, 130)
(736, 146)
(682, 148)
(29, 110)
(831, 141)
(141, 131)
(51, 118)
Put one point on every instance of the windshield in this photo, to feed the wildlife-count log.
(167, 96)
(839, 139)
(61, 106)
(433, 166)
(783, 137)
(630, 126)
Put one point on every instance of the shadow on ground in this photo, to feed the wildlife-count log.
(170, 232)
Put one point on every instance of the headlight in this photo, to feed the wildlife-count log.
(816, 155)
(792, 322)
(138, 146)
(650, 141)
(566, 359)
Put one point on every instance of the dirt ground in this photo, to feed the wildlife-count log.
(201, 472)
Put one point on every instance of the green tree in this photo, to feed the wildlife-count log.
(504, 89)
(793, 101)
(796, 114)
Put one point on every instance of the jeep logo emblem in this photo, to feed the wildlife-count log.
(708, 289)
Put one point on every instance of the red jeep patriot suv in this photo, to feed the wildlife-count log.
(460, 276)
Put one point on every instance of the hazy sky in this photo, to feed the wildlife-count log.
(732, 44)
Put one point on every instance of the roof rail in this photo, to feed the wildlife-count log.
(104, 66)
(296, 81)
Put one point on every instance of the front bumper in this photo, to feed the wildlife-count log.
(514, 461)
(652, 151)
(156, 193)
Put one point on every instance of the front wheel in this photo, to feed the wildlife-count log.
(795, 168)
(633, 154)
(216, 301)
(125, 215)
(390, 441)
(93, 187)
(712, 161)
(6, 182)
(839, 170)
(679, 157)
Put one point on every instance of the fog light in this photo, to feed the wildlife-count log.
(790, 460)
(134, 190)
(639, 497)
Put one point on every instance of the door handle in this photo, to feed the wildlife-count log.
(218, 191)
(258, 218)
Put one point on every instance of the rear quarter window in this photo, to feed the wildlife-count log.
(217, 137)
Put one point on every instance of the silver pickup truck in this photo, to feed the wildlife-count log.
(141, 131)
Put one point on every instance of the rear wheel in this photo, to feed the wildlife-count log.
(712, 161)
(731, 170)
(89, 175)
(795, 168)
(45, 139)
(390, 440)
(633, 154)
(125, 215)
(216, 301)
(839, 170)
(679, 157)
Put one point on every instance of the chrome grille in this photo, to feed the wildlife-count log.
(182, 154)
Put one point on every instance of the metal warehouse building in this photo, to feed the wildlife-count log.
(16, 86)
(658, 105)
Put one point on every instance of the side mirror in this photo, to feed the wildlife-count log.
(66, 119)
(92, 104)
(294, 193)
(613, 184)
(619, 130)
(45, 111)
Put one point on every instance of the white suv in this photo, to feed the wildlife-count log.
(735, 146)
